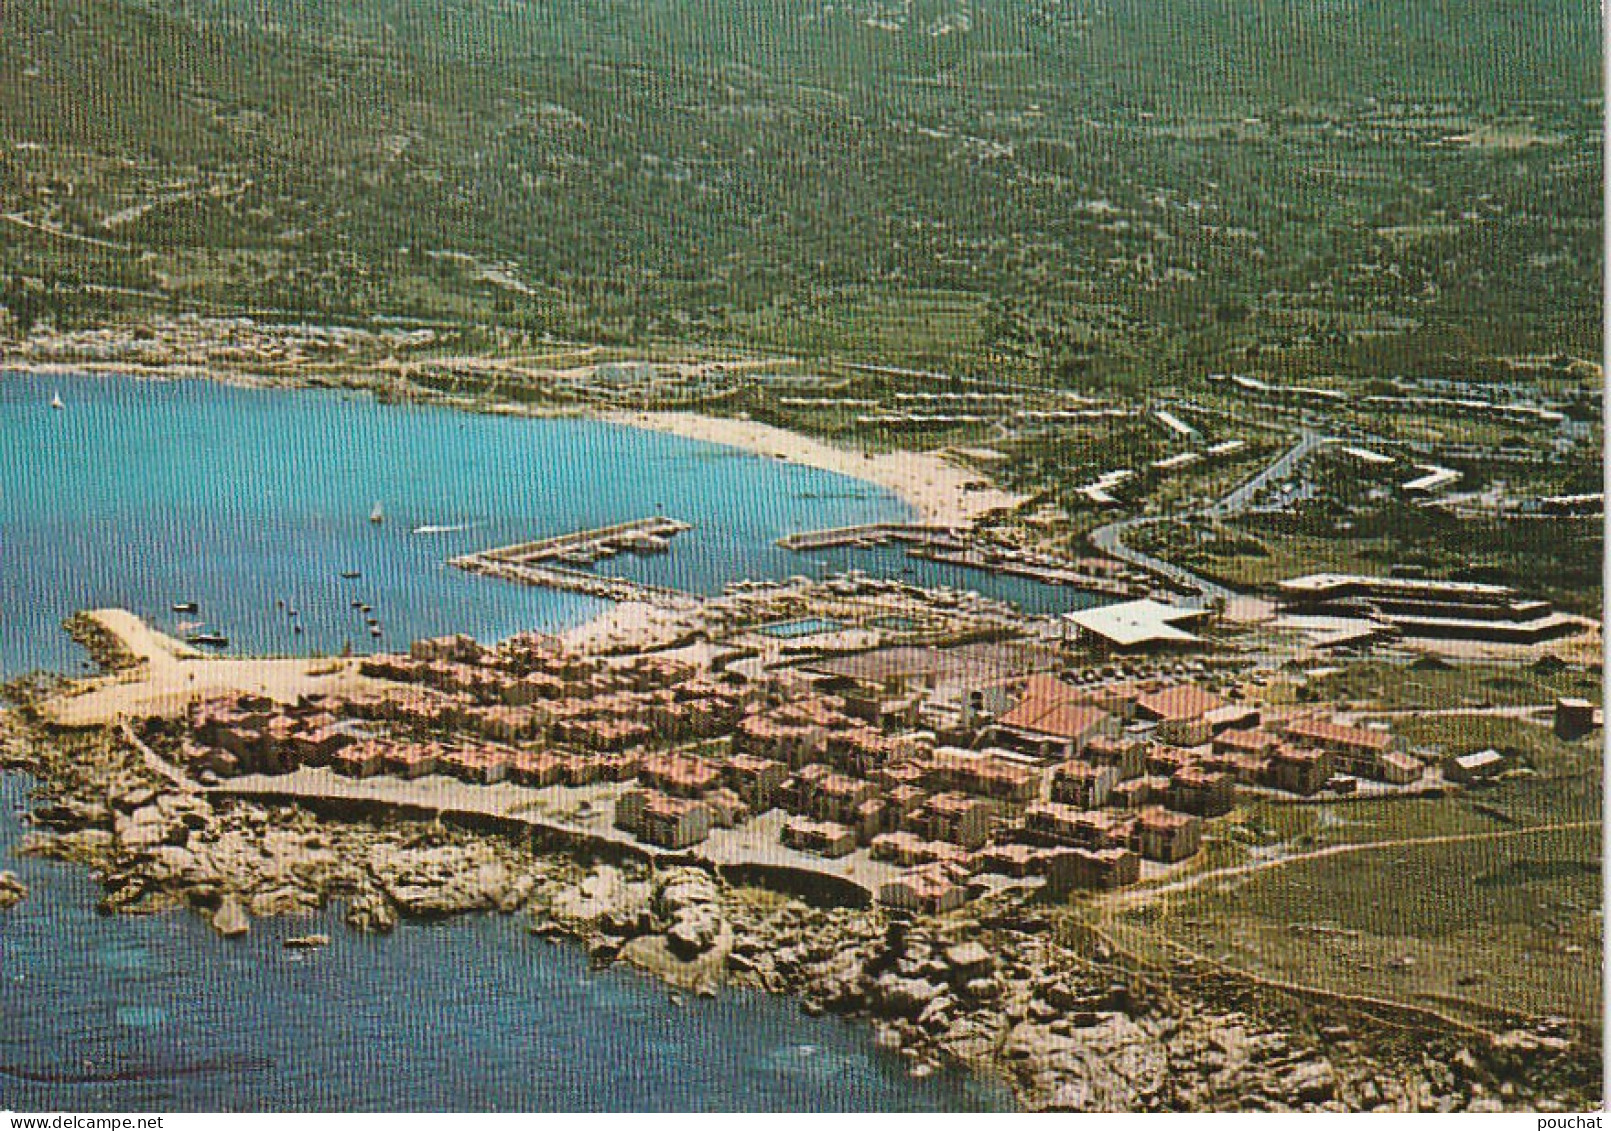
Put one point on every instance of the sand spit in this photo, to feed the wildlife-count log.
(168, 675)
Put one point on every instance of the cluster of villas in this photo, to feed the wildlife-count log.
(1019, 776)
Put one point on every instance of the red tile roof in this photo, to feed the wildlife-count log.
(1184, 701)
(1061, 719)
(1318, 730)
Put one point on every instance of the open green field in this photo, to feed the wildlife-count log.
(1484, 901)
(1390, 687)
(1509, 925)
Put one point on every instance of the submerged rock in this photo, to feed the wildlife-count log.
(371, 911)
(230, 920)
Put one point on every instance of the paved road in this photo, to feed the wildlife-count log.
(1238, 500)
(1110, 538)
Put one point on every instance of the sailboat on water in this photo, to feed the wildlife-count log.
(56, 401)
(377, 516)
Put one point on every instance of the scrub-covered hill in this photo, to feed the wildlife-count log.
(1091, 188)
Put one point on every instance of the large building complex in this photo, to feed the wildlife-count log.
(1421, 607)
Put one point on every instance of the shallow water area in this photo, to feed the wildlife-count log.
(156, 1012)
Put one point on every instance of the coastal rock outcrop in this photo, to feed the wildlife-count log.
(448, 880)
(690, 904)
(91, 847)
(1110, 1065)
(1310, 1081)
(606, 901)
(371, 911)
(71, 814)
(12, 890)
(1012, 986)
(145, 828)
(896, 996)
(692, 937)
(230, 920)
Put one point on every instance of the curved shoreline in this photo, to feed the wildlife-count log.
(940, 491)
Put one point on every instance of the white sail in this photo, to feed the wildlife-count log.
(56, 401)
(377, 515)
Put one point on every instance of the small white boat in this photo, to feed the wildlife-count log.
(56, 401)
(377, 515)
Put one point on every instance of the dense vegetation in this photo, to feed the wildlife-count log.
(1093, 192)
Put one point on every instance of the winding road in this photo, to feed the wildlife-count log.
(1109, 539)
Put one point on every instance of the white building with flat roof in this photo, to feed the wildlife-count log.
(1135, 624)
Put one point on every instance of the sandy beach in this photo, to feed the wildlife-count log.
(627, 624)
(170, 675)
(940, 491)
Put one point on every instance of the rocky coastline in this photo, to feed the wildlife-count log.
(1005, 987)
(106, 650)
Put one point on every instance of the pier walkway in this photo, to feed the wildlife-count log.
(949, 545)
(643, 536)
(535, 563)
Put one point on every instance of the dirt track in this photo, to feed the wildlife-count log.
(1139, 897)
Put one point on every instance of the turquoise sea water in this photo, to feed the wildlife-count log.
(253, 502)
(145, 494)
